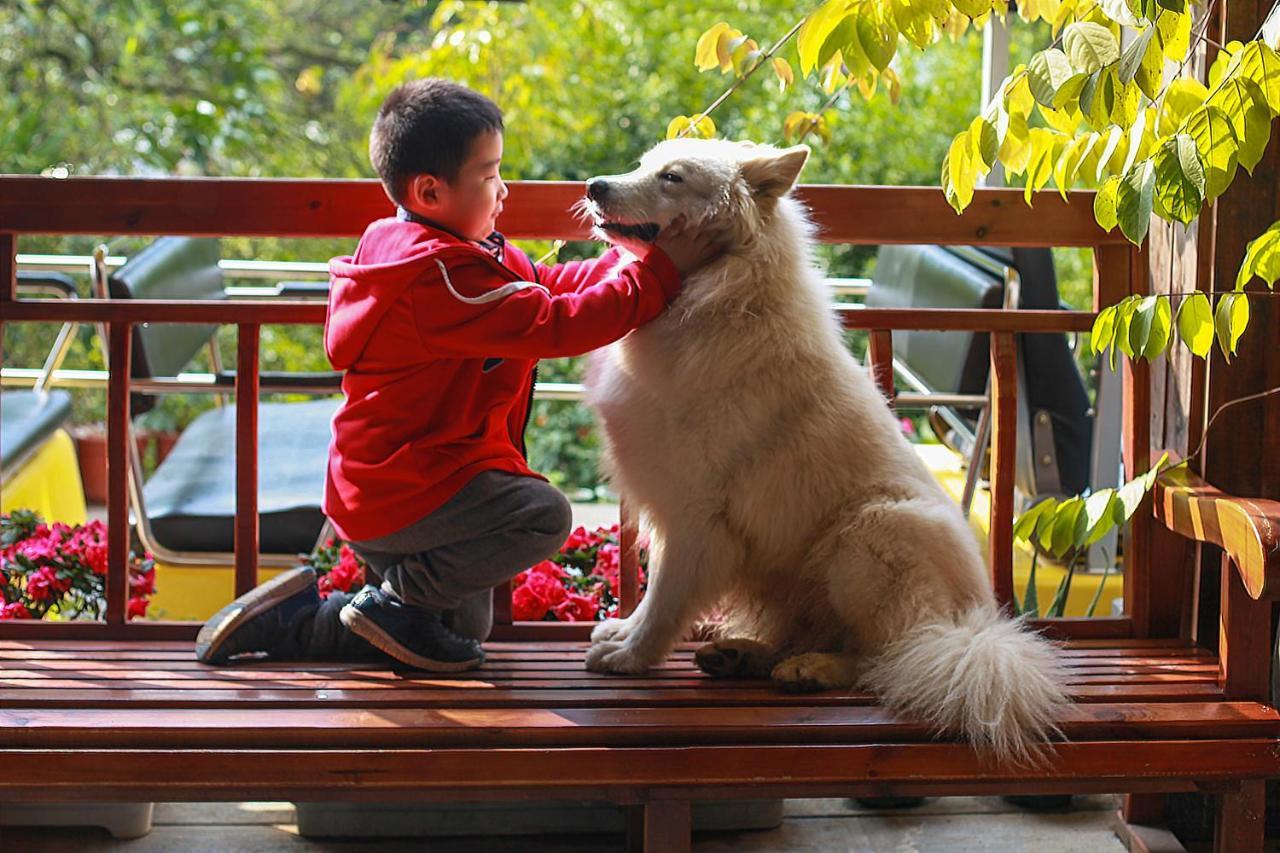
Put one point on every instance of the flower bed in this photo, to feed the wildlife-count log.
(60, 572)
(581, 583)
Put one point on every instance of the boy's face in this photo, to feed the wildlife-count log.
(470, 205)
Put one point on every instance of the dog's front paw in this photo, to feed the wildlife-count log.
(622, 658)
(611, 630)
(811, 672)
(737, 658)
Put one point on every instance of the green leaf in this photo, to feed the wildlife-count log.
(1064, 173)
(1161, 327)
(1099, 515)
(1119, 11)
(1195, 324)
(986, 143)
(1031, 602)
(813, 33)
(1131, 59)
(1025, 526)
(1261, 259)
(1172, 5)
(1217, 146)
(1104, 329)
(1261, 64)
(1180, 179)
(1114, 137)
(959, 172)
(1134, 199)
(1104, 203)
(1128, 499)
(1044, 147)
(1150, 73)
(1140, 326)
(1174, 31)
(1097, 593)
(1183, 96)
(1064, 537)
(1090, 47)
(1047, 71)
(877, 33)
(1230, 320)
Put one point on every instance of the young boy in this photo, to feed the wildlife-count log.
(439, 325)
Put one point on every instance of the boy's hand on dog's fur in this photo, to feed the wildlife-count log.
(690, 247)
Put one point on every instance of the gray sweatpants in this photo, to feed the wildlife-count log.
(495, 527)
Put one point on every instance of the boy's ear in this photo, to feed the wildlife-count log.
(772, 174)
(423, 190)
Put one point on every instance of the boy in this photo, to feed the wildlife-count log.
(438, 325)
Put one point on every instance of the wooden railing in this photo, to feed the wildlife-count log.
(317, 208)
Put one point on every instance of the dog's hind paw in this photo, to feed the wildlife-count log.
(737, 658)
(815, 671)
(621, 658)
(611, 630)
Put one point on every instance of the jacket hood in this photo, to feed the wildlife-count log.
(392, 255)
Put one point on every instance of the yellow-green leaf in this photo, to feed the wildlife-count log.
(1174, 31)
(877, 33)
(706, 56)
(1114, 136)
(1045, 145)
(782, 69)
(1230, 320)
(1180, 179)
(1046, 72)
(1182, 97)
(1134, 199)
(985, 143)
(1261, 64)
(1064, 172)
(1161, 327)
(1195, 323)
(813, 33)
(1090, 46)
(959, 172)
(1104, 203)
(1104, 329)
(1131, 59)
(1216, 143)
(1261, 259)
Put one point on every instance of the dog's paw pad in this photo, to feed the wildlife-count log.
(809, 673)
(733, 659)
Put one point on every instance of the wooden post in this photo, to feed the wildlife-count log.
(1136, 450)
(628, 544)
(120, 336)
(1004, 430)
(880, 353)
(246, 530)
(8, 286)
(659, 826)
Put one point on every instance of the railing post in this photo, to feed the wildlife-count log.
(119, 356)
(8, 287)
(246, 528)
(1136, 450)
(880, 351)
(1004, 428)
(628, 544)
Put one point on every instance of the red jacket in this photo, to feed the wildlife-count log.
(439, 340)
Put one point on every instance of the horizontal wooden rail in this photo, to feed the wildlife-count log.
(285, 312)
(535, 210)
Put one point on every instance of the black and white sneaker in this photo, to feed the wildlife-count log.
(258, 620)
(411, 635)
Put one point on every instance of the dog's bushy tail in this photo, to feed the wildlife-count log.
(978, 675)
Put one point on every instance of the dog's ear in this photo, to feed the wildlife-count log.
(772, 174)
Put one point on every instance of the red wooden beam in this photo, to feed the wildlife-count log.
(246, 530)
(119, 352)
(325, 208)
(1004, 428)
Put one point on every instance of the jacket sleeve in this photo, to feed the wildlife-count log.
(467, 311)
(575, 276)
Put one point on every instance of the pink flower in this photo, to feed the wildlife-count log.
(907, 426)
(42, 584)
(16, 610)
(40, 548)
(142, 583)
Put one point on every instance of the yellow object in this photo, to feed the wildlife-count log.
(948, 471)
(48, 483)
(194, 593)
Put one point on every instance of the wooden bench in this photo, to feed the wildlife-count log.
(119, 711)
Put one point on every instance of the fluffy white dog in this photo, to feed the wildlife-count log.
(776, 483)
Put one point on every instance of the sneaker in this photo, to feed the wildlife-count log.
(411, 635)
(259, 619)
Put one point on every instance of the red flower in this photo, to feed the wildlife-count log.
(526, 606)
(325, 586)
(142, 583)
(579, 540)
(137, 607)
(577, 608)
(550, 569)
(16, 610)
(539, 592)
(348, 573)
(42, 584)
(95, 554)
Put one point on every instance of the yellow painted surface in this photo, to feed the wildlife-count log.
(48, 483)
(194, 593)
(946, 468)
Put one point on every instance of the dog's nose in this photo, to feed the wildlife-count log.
(597, 189)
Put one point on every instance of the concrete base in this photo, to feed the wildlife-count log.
(122, 820)
(321, 820)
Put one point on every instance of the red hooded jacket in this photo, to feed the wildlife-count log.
(439, 340)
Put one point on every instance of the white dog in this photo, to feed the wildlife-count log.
(775, 481)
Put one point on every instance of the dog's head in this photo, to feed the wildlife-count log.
(730, 186)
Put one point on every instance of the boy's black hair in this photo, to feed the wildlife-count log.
(427, 127)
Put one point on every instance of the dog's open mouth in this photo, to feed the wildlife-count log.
(647, 231)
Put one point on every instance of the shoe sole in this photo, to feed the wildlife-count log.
(224, 623)
(366, 628)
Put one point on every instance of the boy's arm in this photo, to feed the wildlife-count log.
(462, 313)
(576, 276)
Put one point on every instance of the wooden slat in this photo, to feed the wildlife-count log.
(880, 353)
(8, 267)
(715, 770)
(120, 355)
(541, 210)
(246, 522)
(1004, 428)
(1247, 529)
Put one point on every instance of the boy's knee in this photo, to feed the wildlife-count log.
(555, 516)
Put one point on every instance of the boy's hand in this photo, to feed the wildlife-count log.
(690, 247)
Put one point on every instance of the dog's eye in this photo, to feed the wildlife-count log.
(670, 177)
